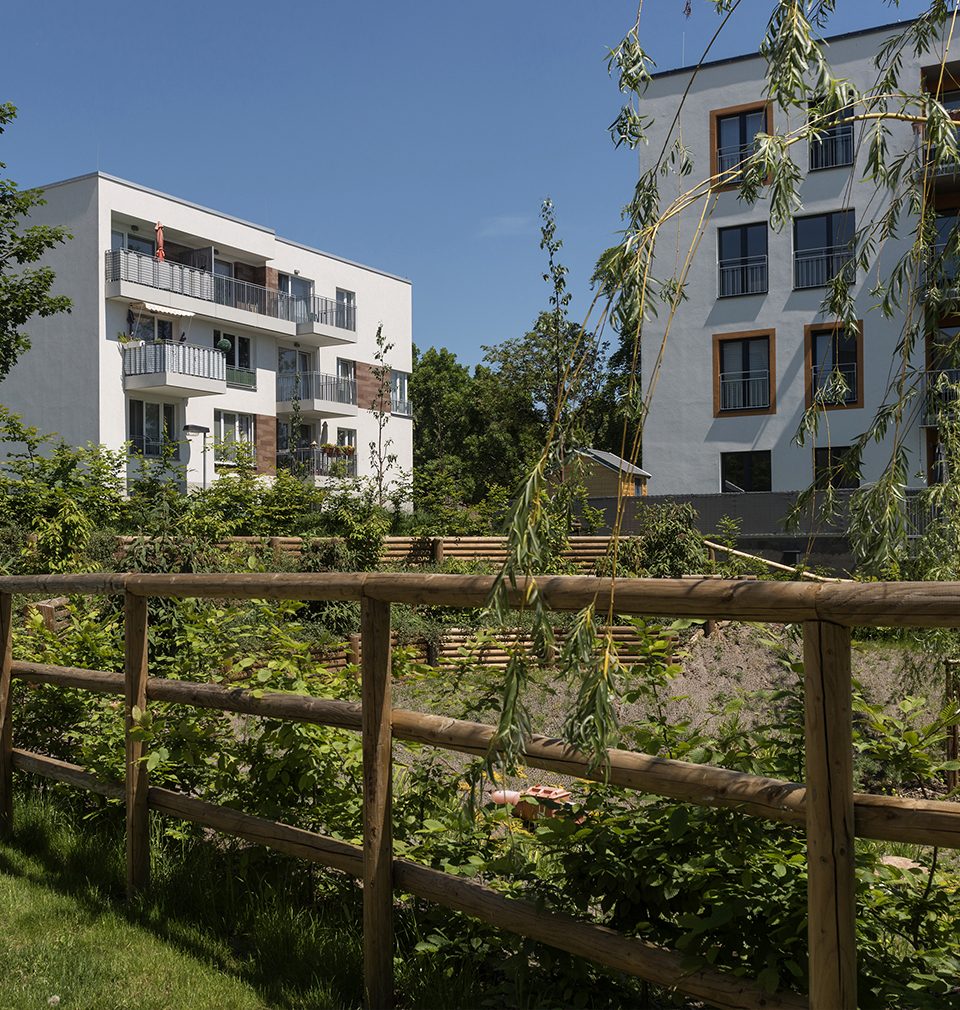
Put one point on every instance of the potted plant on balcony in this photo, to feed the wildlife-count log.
(328, 449)
(347, 450)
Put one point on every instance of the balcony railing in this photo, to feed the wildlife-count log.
(745, 390)
(182, 279)
(182, 359)
(730, 160)
(815, 268)
(941, 390)
(833, 150)
(402, 407)
(243, 378)
(316, 386)
(317, 463)
(747, 276)
(833, 384)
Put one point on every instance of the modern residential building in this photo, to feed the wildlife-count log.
(749, 347)
(192, 330)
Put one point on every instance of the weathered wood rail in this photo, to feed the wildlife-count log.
(826, 805)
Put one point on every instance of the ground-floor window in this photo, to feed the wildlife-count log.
(231, 429)
(745, 471)
(152, 428)
(831, 468)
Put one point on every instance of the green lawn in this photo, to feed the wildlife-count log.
(222, 927)
(88, 954)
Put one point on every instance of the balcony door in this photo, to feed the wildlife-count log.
(223, 282)
(293, 373)
(745, 374)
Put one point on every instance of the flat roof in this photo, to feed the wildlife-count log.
(221, 214)
(756, 56)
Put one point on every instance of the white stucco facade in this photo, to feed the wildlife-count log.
(694, 418)
(223, 332)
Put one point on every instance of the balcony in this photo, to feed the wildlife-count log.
(321, 321)
(402, 408)
(745, 390)
(319, 395)
(834, 385)
(747, 276)
(174, 369)
(834, 149)
(241, 378)
(316, 462)
(941, 391)
(815, 268)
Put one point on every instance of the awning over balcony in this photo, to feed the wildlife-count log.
(161, 310)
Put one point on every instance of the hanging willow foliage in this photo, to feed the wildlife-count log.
(798, 80)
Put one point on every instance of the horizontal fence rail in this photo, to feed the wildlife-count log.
(825, 805)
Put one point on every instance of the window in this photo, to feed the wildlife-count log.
(831, 468)
(732, 138)
(742, 255)
(300, 291)
(239, 355)
(834, 146)
(140, 327)
(745, 471)
(834, 360)
(743, 367)
(146, 246)
(152, 428)
(945, 251)
(229, 430)
(400, 394)
(346, 370)
(347, 436)
(346, 309)
(293, 374)
(822, 247)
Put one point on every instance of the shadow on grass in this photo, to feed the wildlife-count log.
(289, 930)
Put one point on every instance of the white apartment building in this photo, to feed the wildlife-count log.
(192, 330)
(749, 347)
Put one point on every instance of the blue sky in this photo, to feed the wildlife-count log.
(419, 137)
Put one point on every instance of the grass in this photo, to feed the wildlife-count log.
(222, 927)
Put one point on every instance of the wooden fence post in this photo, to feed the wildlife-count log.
(377, 806)
(6, 715)
(951, 697)
(438, 550)
(831, 899)
(135, 695)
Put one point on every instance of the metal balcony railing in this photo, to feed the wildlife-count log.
(183, 359)
(402, 407)
(730, 159)
(317, 463)
(745, 390)
(243, 378)
(316, 386)
(941, 389)
(833, 384)
(746, 276)
(833, 150)
(183, 279)
(815, 268)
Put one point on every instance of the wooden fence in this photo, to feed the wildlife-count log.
(583, 551)
(826, 805)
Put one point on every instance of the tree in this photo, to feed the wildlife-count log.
(559, 365)
(473, 427)
(27, 293)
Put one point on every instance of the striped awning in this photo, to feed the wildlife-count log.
(161, 310)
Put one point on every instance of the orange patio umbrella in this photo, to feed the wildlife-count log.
(158, 228)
